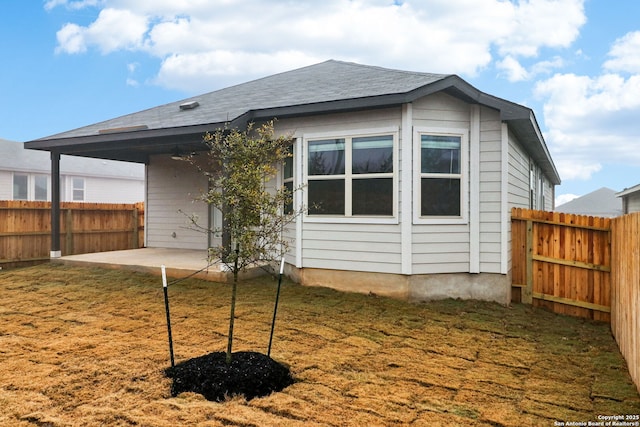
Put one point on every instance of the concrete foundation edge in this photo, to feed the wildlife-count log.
(420, 287)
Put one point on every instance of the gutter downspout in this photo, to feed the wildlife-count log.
(55, 205)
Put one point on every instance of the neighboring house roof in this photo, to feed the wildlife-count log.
(327, 87)
(602, 202)
(14, 157)
(628, 191)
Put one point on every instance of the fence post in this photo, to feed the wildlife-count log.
(527, 291)
(134, 228)
(69, 232)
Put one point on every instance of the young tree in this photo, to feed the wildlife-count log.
(241, 169)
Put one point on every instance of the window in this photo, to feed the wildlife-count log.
(351, 176)
(77, 189)
(20, 187)
(41, 183)
(441, 167)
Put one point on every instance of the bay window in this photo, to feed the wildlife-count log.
(351, 176)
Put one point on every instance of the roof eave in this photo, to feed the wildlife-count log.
(627, 191)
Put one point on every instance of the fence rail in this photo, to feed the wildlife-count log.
(562, 262)
(25, 229)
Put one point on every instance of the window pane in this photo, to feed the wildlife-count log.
(78, 189)
(20, 187)
(372, 196)
(440, 154)
(440, 197)
(41, 187)
(288, 204)
(326, 157)
(326, 197)
(373, 154)
(288, 165)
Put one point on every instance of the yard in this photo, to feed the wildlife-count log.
(82, 346)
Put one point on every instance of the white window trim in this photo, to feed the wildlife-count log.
(347, 219)
(463, 133)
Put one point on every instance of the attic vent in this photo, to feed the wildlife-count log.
(123, 129)
(189, 105)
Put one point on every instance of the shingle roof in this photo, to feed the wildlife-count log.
(330, 86)
(324, 82)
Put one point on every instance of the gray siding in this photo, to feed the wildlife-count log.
(6, 185)
(632, 202)
(346, 246)
(107, 190)
(97, 189)
(518, 175)
(490, 190)
(173, 187)
(441, 248)
(359, 247)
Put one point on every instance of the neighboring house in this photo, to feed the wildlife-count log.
(630, 199)
(409, 177)
(602, 202)
(26, 175)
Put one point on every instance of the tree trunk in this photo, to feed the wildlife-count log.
(234, 290)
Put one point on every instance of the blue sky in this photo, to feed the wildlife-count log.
(576, 63)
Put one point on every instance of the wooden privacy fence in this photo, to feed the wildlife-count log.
(25, 229)
(625, 289)
(582, 266)
(562, 262)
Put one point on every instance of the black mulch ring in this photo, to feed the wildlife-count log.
(250, 374)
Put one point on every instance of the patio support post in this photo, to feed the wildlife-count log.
(55, 205)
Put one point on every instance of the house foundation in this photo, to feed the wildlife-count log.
(419, 287)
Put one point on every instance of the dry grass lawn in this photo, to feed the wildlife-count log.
(87, 347)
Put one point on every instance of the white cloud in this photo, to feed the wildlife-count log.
(112, 30)
(542, 23)
(513, 70)
(448, 36)
(132, 67)
(71, 39)
(591, 121)
(74, 5)
(625, 54)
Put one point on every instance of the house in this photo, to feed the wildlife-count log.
(26, 175)
(409, 177)
(602, 202)
(630, 199)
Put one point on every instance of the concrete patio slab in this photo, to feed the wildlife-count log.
(178, 262)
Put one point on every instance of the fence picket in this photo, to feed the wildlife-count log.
(25, 229)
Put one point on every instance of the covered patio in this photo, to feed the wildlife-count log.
(178, 263)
